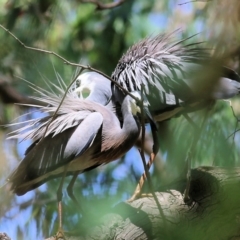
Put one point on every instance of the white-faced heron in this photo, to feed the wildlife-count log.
(83, 135)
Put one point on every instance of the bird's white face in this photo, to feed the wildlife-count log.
(133, 104)
(84, 89)
(92, 83)
(134, 107)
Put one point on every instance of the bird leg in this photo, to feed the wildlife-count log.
(155, 149)
(70, 190)
(137, 193)
(155, 137)
(186, 196)
(60, 232)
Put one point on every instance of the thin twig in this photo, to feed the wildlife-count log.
(69, 63)
(237, 121)
(102, 6)
(233, 134)
(194, 1)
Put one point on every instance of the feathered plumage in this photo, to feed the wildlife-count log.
(82, 135)
(173, 73)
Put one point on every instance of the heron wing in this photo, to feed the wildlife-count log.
(69, 115)
(53, 152)
(174, 73)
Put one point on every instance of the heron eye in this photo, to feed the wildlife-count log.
(78, 83)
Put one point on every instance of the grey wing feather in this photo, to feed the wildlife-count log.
(159, 64)
(54, 152)
(71, 112)
(35, 129)
(84, 135)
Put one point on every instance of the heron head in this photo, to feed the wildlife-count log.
(84, 84)
(134, 104)
(143, 98)
(94, 84)
(134, 107)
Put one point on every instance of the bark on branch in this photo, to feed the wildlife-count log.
(102, 6)
(214, 214)
(9, 95)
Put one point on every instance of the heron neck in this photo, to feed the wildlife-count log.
(131, 124)
(101, 97)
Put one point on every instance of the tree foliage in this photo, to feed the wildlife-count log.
(81, 33)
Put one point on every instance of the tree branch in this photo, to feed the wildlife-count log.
(102, 6)
(68, 62)
(9, 95)
(214, 214)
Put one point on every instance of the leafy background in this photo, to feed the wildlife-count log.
(80, 33)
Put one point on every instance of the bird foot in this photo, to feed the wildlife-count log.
(134, 197)
(138, 195)
(60, 235)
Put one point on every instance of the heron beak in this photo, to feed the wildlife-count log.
(150, 118)
(138, 109)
